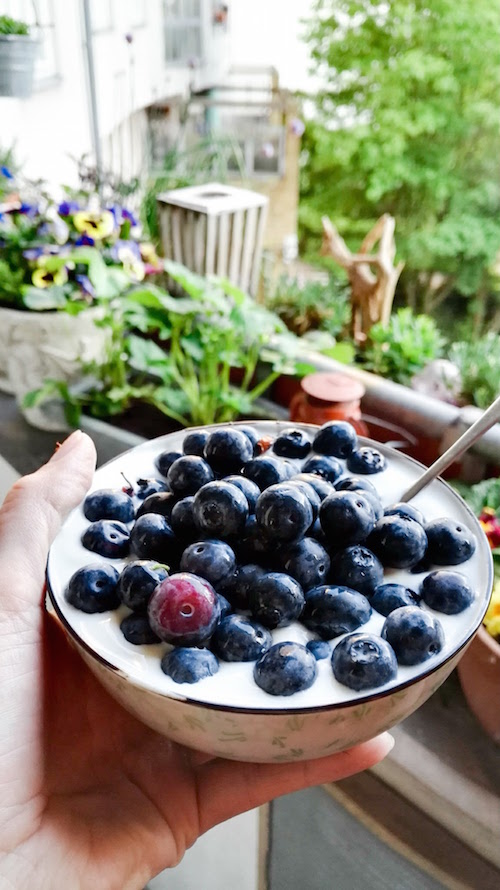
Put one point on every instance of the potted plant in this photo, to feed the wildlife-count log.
(61, 263)
(479, 669)
(18, 48)
(203, 357)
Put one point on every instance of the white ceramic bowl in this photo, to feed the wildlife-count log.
(228, 715)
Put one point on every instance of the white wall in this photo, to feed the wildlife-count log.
(267, 32)
(53, 125)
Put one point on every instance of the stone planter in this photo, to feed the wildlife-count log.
(479, 673)
(36, 346)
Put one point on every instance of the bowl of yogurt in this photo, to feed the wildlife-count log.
(310, 648)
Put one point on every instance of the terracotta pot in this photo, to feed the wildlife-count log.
(323, 397)
(479, 673)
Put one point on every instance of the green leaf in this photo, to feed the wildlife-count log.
(40, 299)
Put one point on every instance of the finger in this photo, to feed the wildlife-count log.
(226, 788)
(32, 514)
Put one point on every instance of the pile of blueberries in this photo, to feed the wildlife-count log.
(241, 535)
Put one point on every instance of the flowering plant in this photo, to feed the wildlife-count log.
(67, 254)
(484, 500)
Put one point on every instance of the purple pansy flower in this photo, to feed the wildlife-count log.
(86, 285)
(125, 251)
(66, 208)
(84, 241)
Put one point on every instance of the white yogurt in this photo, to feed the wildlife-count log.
(233, 685)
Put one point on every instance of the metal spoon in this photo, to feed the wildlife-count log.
(481, 426)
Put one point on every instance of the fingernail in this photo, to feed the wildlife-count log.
(389, 740)
(69, 444)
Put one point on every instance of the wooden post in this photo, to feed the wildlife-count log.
(372, 276)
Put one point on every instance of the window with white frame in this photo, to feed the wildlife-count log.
(41, 17)
(183, 31)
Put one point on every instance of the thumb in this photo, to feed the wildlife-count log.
(33, 512)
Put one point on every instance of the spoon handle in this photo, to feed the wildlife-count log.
(481, 426)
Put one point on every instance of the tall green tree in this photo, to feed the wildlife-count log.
(408, 122)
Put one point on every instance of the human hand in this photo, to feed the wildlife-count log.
(90, 798)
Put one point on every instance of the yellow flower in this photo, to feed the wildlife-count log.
(492, 617)
(148, 253)
(96, 225)
(135, 270)
(43, 277)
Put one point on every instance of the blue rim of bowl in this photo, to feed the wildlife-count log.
(349, 703)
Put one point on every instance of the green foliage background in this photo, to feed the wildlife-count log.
(409, 123)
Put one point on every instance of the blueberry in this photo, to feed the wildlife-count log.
(292, 443)
(328, 468)
(321, 486)
(276, 599)
(211, 559)
(267, 470)
(307, 561)
(165, 460)
(320, 649)
(363, 661)
(403, 509)
(238, 639)
(225, 606)
(237, 587)
(414, 635)
(137, 630)
(251, 434)
(227, 450)
(366, 460)
(285, 668)
(138, 580)
(336, 439)
(332, 610)
(447, 592)
(189, 665)
(161, 502)
(449, 542)
(182, 519)
(194, 442)
(107, 538)
(388, 597)
(220, 509)
(247, 487)
(145, 487)
(253, 545)
(310, 493)
(109, 504)
(346, 518)
(398, 541)
(187, 474)
(152, 538)
(184, 610)
(355, 483)
(358, 568)
(93, 588)
(284, 512)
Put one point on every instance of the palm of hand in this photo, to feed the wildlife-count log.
(121, 800)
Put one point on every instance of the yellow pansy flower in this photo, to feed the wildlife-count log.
(96, 225)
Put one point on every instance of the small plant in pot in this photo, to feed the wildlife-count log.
(18, 49)
(60, 265)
